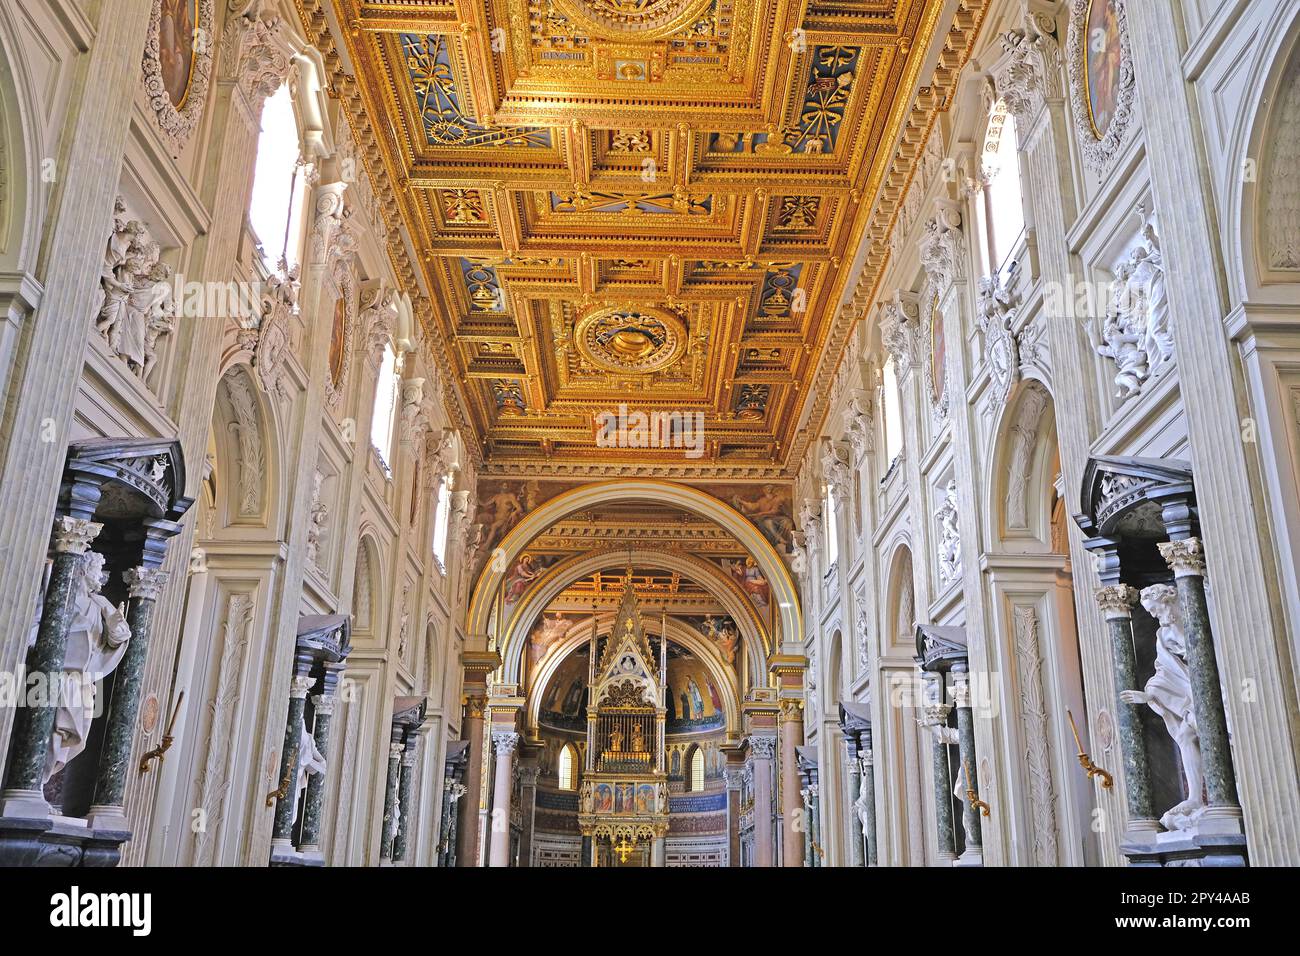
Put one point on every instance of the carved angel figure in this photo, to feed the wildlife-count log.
(949, 536)
(1169, 694)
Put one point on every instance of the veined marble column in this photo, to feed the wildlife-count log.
(282, 834)
(734, 778)
(868, 797)
(791, 802)
(405, 786)
(1117, 604)
(505, 743)
(451, 795)
(1187, 560)
(972, 855)
(763, 749)
(806, 795)
(659, 852)
(588, 847)
(108, 809)
(391, 809)
(314, 801)
(936, 719)
(34, 723)
(528, 795)
(854, 786)
(467, 818)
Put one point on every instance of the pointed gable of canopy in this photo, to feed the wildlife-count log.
(627, 652)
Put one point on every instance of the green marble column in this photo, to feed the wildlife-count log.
(869, 792)
(390, 793)
(1187, 560)
(936, 718)
(806, 794)
(587, 849)
(282, 833)
(314, 802)
(1116, 602)
(815, 824)
(968, 772)
(405, 788)
(144, 585)
(34, 723)
(856, 844)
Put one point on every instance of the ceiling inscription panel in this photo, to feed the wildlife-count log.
(649, 202)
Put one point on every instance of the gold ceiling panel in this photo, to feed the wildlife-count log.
(634, 201)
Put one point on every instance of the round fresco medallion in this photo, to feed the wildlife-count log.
(149, 714)
(1103, 58)
(338, 342)
(936, 351)
(642, 19)
(637, 340)
(178, 33)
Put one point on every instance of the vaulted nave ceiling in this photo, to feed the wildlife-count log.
(646, 201)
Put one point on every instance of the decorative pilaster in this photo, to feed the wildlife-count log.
(34, 723)
(528, 797)
(1187, 560)
(763, 749)
(791, 723)
(970, 818)
(467, 818)
(504, 743)
(1116, 602)
(734, 778)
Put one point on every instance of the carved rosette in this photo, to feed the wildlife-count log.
(1099, 148)
(178, 122)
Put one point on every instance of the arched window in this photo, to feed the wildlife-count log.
(697, 770)
(893, 412)
(566, 770)
(275, 209)
(441, 513)
(1003, 209)
(381, 423)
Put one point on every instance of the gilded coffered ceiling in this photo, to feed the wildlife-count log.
(650, 202)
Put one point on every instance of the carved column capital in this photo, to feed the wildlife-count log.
(1117, 600)
(145, 582)
(762, 746)
(73, 535)
(323, 704)
(506, 742)
(1186, 557)
(300, 685)
(475, 706)
(791, 710)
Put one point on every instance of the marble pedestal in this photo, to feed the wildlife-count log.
(288, 856)
(58, 841)
(1218, 838)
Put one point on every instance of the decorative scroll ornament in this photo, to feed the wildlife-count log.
(949, 536)
(996, 308)
(762, 747)
(858, 425)
(935, 359)
(257, 54)
(279, 303)
(942, 248)
(1031, 73)
(1109, 39)
(898, 328)
(169, 42)
(836, 471)
(379, 319)
(1136, 333)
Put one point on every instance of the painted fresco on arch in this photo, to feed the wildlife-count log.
(769, 507)
(1102, 59)
(338, 343)
(521, 575)
(177, 33)
(503, 503)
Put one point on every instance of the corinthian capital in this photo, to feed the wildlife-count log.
(1117, 600)
(73, 535)
(144, 582)
(1031, 71)
(506, 742)
(1186, 557)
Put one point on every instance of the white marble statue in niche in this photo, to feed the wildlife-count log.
(1135, 333)
(97, 639)
(310, 762)
(949, 536)
(1169, 694)
(137, 306)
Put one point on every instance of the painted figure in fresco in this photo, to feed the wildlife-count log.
(176, 35)
(573, 699)
(604, 798)
(751, 579)
(524, 572)
(498, 513)
(645, 798)
(697, 701)
(724, 632)
(686, 707)
(767, 509)
(1103, 59)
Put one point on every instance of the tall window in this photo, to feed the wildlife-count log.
(567, 769)
(442, 511)
(832, 529)
(381, 423)
(893, 412)
(275, 210)
(697, 770)
(1004, 211)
